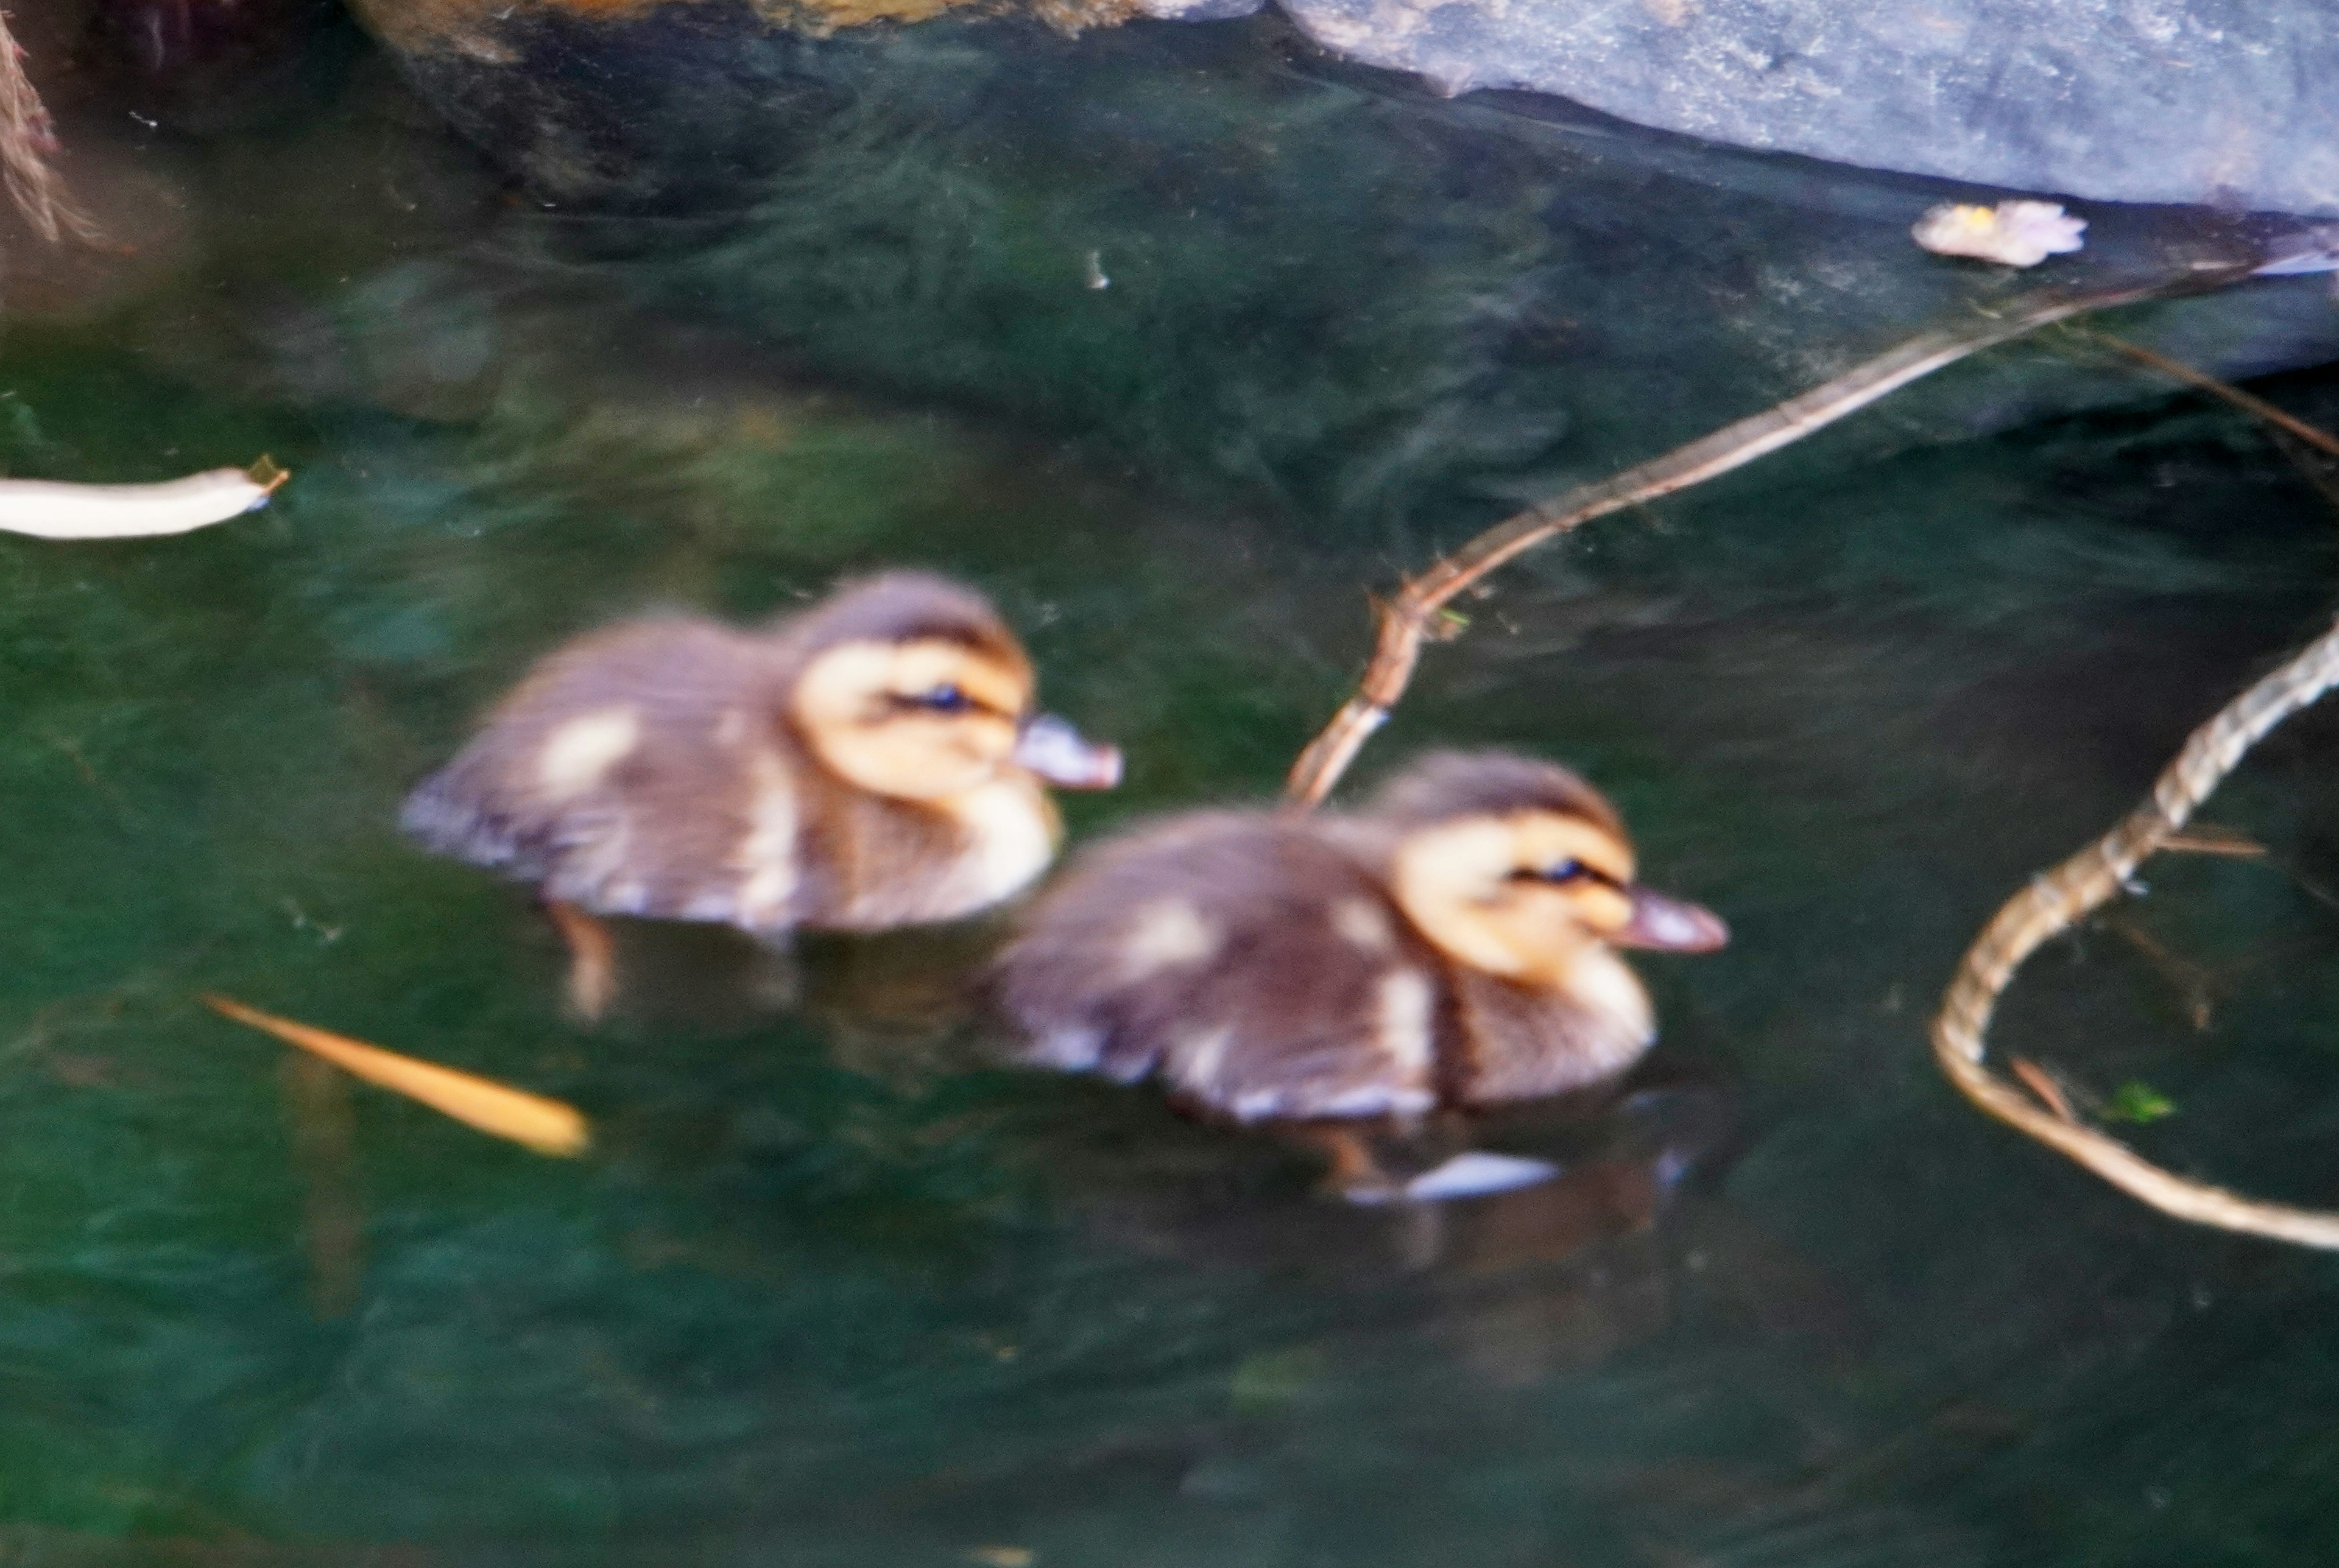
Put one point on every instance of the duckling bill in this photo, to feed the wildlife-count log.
(875, 761)
(1454, 945)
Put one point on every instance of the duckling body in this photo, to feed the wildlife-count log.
(1454, 945)
(871, 763)
(1252, 962)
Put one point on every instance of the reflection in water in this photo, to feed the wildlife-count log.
(322, 1127)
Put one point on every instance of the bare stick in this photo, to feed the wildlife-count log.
(2215, 841)
(2084, 882)
(546, 1126)
(2041, 1082)
(27, 141)
(1408, 619)
(2257, 407)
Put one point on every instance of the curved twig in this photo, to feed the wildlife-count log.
(2090, 879)
(2257, 407)
(1408, 619)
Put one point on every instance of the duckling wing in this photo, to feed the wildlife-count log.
(1251, 963)
(631, 772)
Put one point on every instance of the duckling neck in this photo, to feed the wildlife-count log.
(1520, 1041)
(1010, 828)
(875, 861)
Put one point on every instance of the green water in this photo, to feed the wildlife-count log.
(831, 1290)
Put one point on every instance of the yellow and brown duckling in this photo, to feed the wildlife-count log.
(874, 760)
(1453, 945)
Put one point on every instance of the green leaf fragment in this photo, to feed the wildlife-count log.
(2139, 1103)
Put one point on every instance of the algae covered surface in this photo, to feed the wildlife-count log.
(833, 1288)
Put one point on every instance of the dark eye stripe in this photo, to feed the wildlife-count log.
(1565, 872)
(942, 699)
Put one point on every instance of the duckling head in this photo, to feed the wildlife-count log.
(912, 687)
(1518, 869)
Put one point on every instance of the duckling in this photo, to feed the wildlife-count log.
(1454, 945)
(872, 762)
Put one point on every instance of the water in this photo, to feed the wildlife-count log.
(834, 1291)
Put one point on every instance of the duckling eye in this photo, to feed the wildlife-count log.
(1565, 872)
(946, 699)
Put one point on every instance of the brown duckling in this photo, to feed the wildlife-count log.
(1453, 945)
(872, 762)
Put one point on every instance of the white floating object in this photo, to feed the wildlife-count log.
(2297, 255)
(1475, 1173)
(1472, 1174)
(50, 510)
(2017, 234)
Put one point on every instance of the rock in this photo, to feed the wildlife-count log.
(1374, 305)
(2229, 101)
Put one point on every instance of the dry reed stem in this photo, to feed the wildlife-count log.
(2041, 1082)
(546, 1126)
(2217, 841)
(27, 141)
(2057, 899)
(1406, 620)
(2257, 407)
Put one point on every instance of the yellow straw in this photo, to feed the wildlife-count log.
(546, 1126)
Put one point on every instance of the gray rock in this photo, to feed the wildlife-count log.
(2232, 103)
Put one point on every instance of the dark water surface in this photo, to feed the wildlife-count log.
(831, 1290)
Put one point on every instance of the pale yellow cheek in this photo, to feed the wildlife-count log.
(1604, 910)
(579, 753)
(985, 740)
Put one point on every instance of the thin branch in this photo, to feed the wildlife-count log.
(2323, 474)
(2257, 407)
(2222, 841)
(1410, 617)
(546, 1126)
(2086, 882)
(2041, 1082)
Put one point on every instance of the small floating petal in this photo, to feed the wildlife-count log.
(51, 510)
(2017, 234)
